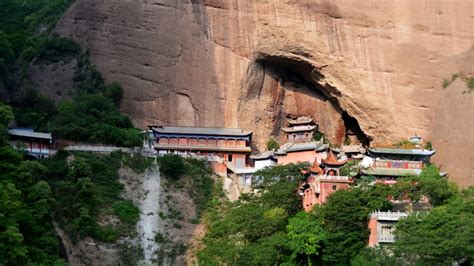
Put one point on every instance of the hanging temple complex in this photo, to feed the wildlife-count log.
(329, 168)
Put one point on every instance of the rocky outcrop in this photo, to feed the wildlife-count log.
(250, 63)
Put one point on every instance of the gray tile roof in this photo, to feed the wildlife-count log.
(263, 155)
(302, 146)
(203, 131)
(29, 133)
(402, 151)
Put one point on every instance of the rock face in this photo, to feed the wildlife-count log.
(242, 63)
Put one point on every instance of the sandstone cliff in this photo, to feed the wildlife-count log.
(242, 63)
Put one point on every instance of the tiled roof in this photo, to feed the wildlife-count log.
(300, 120)
(29, 133)
(298, 129)
(402, 151)
(263, 155)
(203, 131)
(332, 159)
(302, 146)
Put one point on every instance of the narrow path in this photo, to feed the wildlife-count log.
(149, 218)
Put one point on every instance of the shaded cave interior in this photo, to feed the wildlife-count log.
(303, 78)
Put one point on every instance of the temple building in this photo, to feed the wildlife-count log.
(353, 151)
(229, 146)
(391, 163)
(301, 152)
(332, 165)
(300, 129)
(37, 144)
(318, 186)
(382, 226)
(264, 159)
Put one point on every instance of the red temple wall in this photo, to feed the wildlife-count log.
(373, 232)
(327, 189)
(297, 157)
(309, 200)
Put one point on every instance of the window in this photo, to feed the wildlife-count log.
(229, 157)
(334, 187)
(387, 230)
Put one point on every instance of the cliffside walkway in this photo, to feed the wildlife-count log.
(100, 149)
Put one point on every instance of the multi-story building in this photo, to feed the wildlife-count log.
(389, 163)
(319, 185)
(229, 146)
(302, 152)
(300, 129)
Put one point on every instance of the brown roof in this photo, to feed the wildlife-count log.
(332, 159)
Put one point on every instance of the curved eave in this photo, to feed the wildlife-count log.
(417, 152)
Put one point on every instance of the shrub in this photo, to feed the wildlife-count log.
(172, 166)
(54, 49)
(137, 163)
(126, 211)
(272, 144)
(317, 136)
(445, 83)
(114, 92)
(470, 83)
(428, 145)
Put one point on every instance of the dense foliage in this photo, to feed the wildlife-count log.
(197, 172)
(91, 114)
(270, 228)
(73, 189)
(86, 188)
(26, 202)
(439, 237)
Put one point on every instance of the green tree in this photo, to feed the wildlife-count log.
(114, 92)
(438, 189)
(344, 218)
(272, 144)
(441, 236)
(305, 236)
(277, 173)
(6, 114)
(172, 166)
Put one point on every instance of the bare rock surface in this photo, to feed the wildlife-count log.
(54, 80)
(205, 62)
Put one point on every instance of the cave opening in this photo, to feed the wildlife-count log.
(305, 77)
